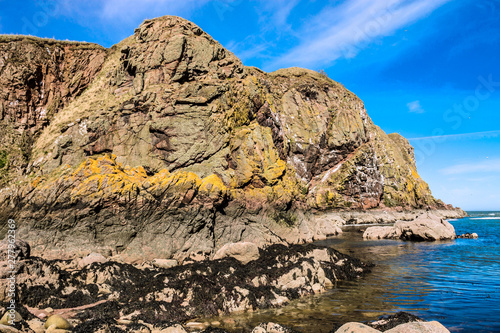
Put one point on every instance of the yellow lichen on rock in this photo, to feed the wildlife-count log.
(213, 187)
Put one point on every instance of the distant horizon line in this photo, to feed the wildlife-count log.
(446, 136)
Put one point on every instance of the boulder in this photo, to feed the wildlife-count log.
(90, 259)
(356, 327)
(419, 327)
(21, 250)
(242, 251)
(57, 322)
(381, 233)
(427, 227)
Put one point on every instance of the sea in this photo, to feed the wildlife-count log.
(454, 282)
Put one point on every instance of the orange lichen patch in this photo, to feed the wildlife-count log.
(35, 182)
(414, 173)
(178, 182)
(274, 171)
(211, 185)
(157, 178)
(104, 176)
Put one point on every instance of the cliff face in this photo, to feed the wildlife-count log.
(166, 144)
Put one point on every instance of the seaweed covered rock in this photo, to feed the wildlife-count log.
(401, 322)
(14, 249)
(388, 322)
(242, 251)
(112, 294)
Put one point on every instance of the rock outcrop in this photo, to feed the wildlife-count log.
(400, 322)
(166, 146)
(110, 296)
(426, 227)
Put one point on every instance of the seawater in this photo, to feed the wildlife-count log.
(455, 282)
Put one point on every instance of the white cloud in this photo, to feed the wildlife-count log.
(415, 107)
(488, 165)
(116, 12)
(341, 31)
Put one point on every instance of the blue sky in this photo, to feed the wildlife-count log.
(427, 69)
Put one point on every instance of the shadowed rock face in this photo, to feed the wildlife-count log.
(166, 145)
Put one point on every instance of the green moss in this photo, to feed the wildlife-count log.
(3, 159)
(285, 218)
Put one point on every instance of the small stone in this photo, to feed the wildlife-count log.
(7, 318)
(242, 251)
(90, 259)
(165, 263)
(58, 322)
(49, 310)
(197, 325)
(356, 327)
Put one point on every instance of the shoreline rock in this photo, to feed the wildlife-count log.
(401, 322)
(108, 294)
(469, 235)
(426, 227)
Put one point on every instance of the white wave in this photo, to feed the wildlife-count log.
(485, 218)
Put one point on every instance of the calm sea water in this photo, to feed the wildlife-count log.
(456, 283)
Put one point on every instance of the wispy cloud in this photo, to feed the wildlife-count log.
(125, 11)
(474, 135)
(415, 107)
(487, 165)
(341, 31)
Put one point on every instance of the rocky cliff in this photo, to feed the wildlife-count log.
(166, 145)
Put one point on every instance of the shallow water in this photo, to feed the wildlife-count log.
(455, 282)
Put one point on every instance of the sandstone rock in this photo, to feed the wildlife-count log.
(165, 263)
(356, 327)
(57, 322)
(381, 233)
(7, 318)
(426, 227)
(271, 328)
(36, 325)
(243, 251)
(8, 329)
(21, 250)
(206, 288)
(90, 259)
(417, 327)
